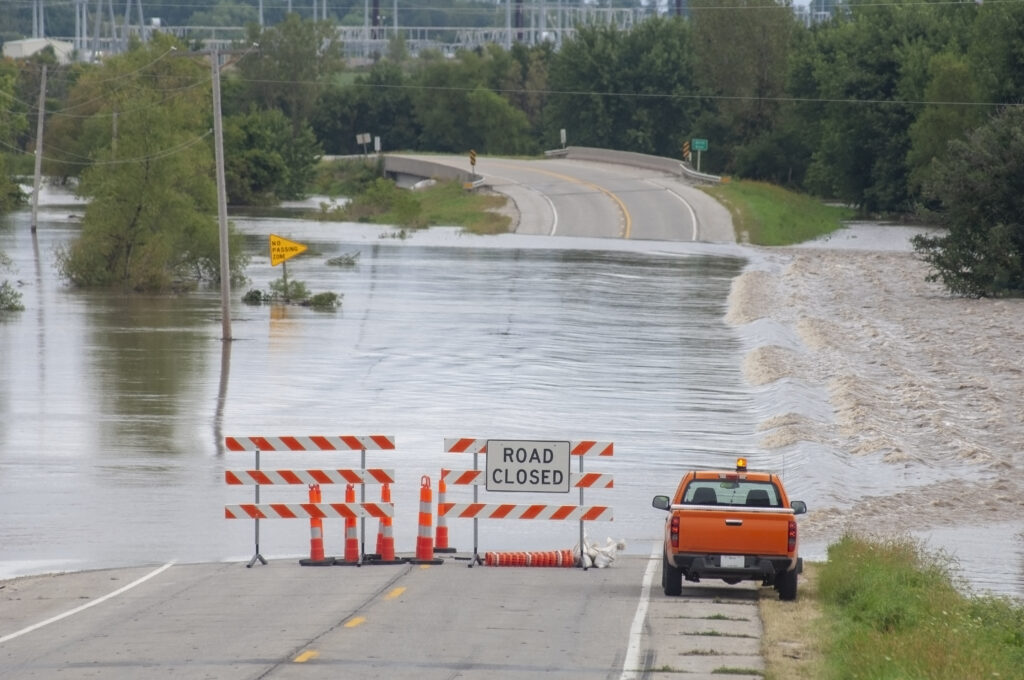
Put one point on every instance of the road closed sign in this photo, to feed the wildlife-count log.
(525, 465)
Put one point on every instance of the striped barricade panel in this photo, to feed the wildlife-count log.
(373, 442)
(308, 510)
(342, 476)
(512, 511)
(588, 480)
(577, 448)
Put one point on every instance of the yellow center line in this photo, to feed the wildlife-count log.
(627, 218)
(306, 656)
(394, 593)
(355, 622)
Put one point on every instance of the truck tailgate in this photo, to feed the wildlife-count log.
(733, 531)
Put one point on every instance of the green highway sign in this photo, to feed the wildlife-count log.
(699, 144)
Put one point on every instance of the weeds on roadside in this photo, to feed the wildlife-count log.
(899, 613)
(769, 215)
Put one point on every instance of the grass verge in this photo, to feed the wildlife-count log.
(887, 609)
(768, 215)
(379, 201)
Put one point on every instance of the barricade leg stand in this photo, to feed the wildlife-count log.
(425, 537)
(352, 557)
(316, 534)
(441, 537)
(385, 537)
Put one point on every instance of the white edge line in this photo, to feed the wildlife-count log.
(693, 215)
(631, 664)
(100, 600)
(554, 215)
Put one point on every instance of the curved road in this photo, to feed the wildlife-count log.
(566, 197)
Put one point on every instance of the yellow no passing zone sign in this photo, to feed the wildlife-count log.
(282, 249)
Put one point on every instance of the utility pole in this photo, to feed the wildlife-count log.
(39, 150)
(222, 201)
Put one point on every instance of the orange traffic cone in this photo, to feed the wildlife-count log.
(385, 538)
(316, 534)
(424, 537)
(441, 537)
(351, 535)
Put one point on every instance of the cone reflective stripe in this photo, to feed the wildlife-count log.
(441, 542)
(351, 535)
(316, 528)
(424, 539)
(385, 538)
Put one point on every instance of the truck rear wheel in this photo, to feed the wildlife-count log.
(671, 578)
(786, 585)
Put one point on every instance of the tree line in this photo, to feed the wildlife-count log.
(870, 108)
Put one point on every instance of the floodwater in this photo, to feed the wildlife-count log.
(113, 408)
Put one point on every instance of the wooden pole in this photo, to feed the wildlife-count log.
(222, 201)
(39, 150)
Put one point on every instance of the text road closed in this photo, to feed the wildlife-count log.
(541, 466)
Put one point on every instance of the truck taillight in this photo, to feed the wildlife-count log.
(674, 531)
(791, 544)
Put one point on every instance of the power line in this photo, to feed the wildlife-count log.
(119, 161)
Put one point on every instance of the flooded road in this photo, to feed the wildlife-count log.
(113, 408)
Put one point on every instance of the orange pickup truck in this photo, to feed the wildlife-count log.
(732, 525)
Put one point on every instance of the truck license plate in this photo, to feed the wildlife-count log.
(732, 561)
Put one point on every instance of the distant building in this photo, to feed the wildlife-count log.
(22, 49)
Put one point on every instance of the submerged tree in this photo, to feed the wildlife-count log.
(980, 200)
(150, 223)
(12, 123)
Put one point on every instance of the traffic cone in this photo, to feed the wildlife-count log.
(425, 538)
(441, 542)
(316, 534)
(385, 538)
(351, 535)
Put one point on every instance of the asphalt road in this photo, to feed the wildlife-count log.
(422, 622)
(566, 197)
(284, 621)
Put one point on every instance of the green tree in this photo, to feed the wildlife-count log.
(10, 298)
(295, 59)
(455, 105)
(633, 91)
(13, 123)
(741, 60)
(149, 224)
(264, 161)
(951, 113)
(980, 202)
(996, 52)
(225, 13)
(495, 126)
(379, 102)
(870, 70)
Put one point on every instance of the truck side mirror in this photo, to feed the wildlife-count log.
(799, 507)
(662, 502)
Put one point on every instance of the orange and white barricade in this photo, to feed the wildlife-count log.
(315, 510)
(478, 478)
